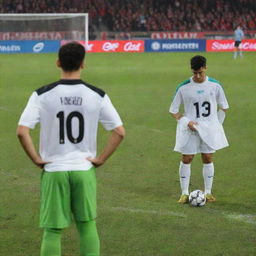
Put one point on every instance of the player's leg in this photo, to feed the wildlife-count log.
(55, 212)
(51, 242)
(89, 239)
(188, 151)
(184, 173)
(83, 204)
(235, 53)
(208, 175)
(235, 50)
(240, 51)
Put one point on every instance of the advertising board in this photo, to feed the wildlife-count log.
(29, 46)
(189, 45)
(228, 45)
(113, 46)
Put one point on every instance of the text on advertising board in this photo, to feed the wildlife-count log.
(113, 46)
(175, 45)
(228, 45)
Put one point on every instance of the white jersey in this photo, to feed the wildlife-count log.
(201, 101)
(68, 112)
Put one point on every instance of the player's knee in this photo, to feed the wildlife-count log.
(53, 230)
(187, 159)
(207, 158)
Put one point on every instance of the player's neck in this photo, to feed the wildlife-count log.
(199, 81)
(71, 75)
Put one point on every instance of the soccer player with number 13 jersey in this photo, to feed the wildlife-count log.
(199, 129)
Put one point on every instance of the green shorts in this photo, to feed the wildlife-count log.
(66, 193)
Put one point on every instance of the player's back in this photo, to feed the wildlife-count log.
(69, 115)
(69, 112)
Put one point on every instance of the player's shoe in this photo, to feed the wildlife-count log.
(210, 198)
(183, 199)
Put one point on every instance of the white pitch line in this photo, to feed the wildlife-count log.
(247, 218)
(8, 174)
(154, 212)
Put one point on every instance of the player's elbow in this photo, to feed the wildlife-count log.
(22, 131)
(120, 131)
(176, 115)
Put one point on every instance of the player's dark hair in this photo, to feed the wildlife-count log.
(198, 62)
(71, 56)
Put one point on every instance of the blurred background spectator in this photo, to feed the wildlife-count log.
(148, 15)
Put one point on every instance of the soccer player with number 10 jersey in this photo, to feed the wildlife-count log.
(69, 111)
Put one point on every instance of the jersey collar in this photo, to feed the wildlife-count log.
(70, 81)
(192, 81)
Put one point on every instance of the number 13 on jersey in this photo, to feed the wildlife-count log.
(206, 109)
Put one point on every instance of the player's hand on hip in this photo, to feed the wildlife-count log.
(97, 162)
(40, 163)
(192, 125)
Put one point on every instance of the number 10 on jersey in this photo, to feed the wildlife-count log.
(66, 124)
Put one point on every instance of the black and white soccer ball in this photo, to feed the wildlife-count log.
(197, 198)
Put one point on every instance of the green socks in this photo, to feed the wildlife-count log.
(51, 244)
(89, 239)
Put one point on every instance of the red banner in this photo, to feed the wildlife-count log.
(228, 45)
(177, 35)
(113, 46)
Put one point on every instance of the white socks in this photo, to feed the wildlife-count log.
(184, 172)
(208, 173)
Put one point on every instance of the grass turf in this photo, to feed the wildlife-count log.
(138, 187)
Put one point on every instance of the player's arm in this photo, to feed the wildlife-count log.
(112, 122)
(115, 138)
(222, 104)
(28, 120)
(174, 111)
(177, 116)
(26, 141)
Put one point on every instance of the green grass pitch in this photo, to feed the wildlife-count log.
(138, 187)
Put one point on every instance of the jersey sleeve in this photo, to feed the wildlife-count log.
(31, 114)
(109, 117)
(221, 98)
(177, 101)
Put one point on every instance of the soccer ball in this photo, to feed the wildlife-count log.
(197, 198)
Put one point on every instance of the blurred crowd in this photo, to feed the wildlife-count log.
(148, 15)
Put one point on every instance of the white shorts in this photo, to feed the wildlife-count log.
(195, 145)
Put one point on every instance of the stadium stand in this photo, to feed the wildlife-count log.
(148, 15)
